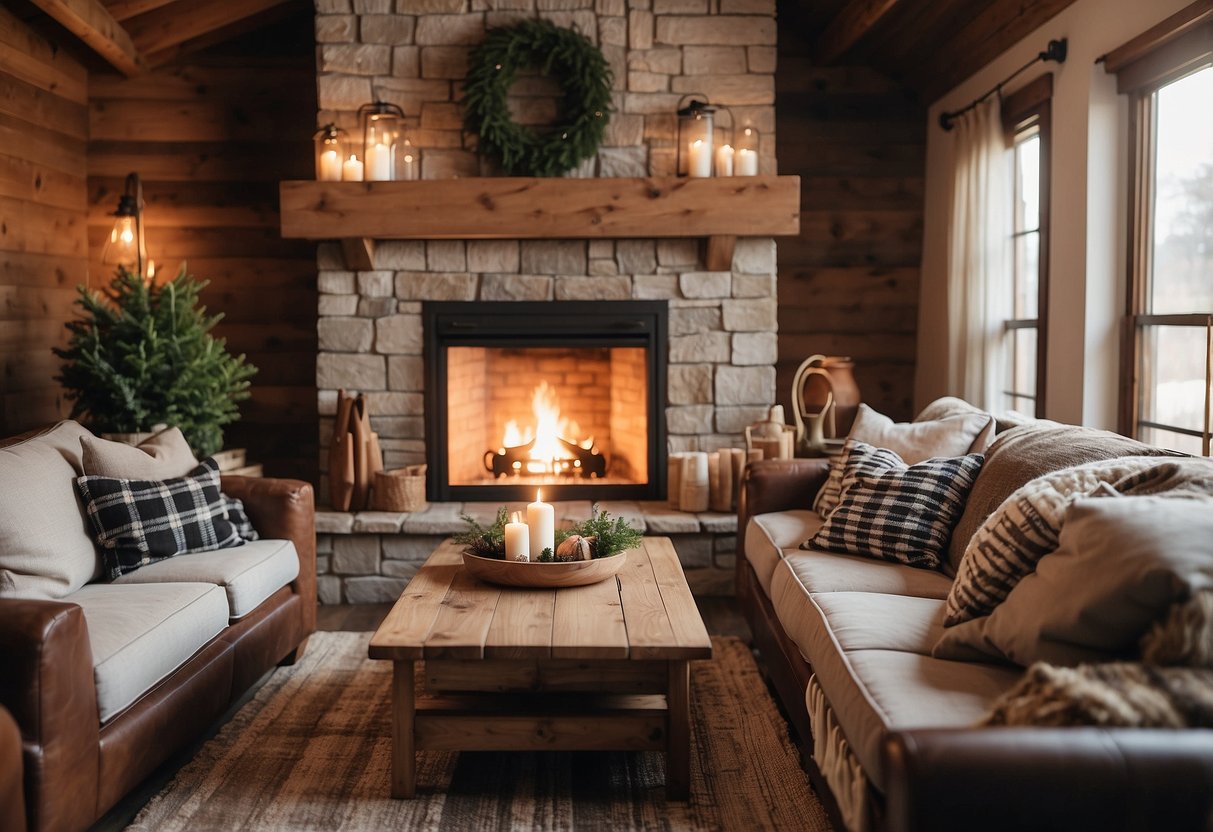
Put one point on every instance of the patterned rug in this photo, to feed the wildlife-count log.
(312, 750)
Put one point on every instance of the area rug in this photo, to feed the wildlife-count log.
(312, 750)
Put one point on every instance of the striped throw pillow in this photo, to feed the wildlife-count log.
(894, 511)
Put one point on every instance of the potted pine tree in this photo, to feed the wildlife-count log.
(142, 355)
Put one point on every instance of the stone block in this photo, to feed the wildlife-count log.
(356, 554)
(690, 383)
(745, 385)
(624, 131)
(394, 29)
(712, 347)
(345, 334)
(729, 89)
(405, 372)
(330, 257)
(374, 590)
(324, 545)
(603, 267)
(761, 58)
(654, 286)
(754, 286)
(444, 61)
(398, 334)
(377, 284)
(430, 6)
(411, 93)
(328, 589)
(448, 164)
(661, 520)
(679, 252)
(640, 81)
(397, 427)
(602, 248)
(680, 444)
(435, 286)
(332, 6)
(336, 28)
(337, 305)
(637, 257)
(322, 564)
(436, 115)
(735, 419)
(396, 404)
(718, 523)
(403, 569)
(766, 7)
(406, 62)
(666, 60)
(605, 287)
(375, 307)
(372, 6)
(689, 320)
(661, 129)
(566, 257)
(450, 29)
(680, 30)
(355, 58)
(492, 256)
(614, 8)
(754, 255)
(650, 103)
(400, 255)
(612, 31)
(342, 92)
(335, 283)
(378, 522)
(692, 419)
(416, 548)
(694, 550)
(640, 29)
(680, 7)
(326, 404)
(755, 348)
(583, 20)
(516, 287)
(334, 522)
(438, 519)
(350, 371)
(623, 161)
(750, 315)
(714, 60)
(446, 256)
(563, 5)
(706, 284)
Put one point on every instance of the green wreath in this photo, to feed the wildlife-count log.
(583, 74)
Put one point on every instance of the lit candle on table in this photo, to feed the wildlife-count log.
(330, 166)
(747, 163)
(699, 159)
(724, 160)
(351, 171)
(378, 163)
(541, 520)
(517, 539)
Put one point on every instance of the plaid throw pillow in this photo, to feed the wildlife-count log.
(138, 522)
(897, 512)
(233, 510)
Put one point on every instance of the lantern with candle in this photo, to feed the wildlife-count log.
(410, 161)
(696, 135)
(331, 143)
(381, 128)
(745, 161)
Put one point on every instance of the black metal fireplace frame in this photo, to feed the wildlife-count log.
(543, 324)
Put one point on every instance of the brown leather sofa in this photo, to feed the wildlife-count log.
(12, 796)
(76, 768)
(957, 777)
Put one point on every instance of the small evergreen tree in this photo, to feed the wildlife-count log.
(143, 355)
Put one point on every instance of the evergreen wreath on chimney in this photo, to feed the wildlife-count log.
(563, 54)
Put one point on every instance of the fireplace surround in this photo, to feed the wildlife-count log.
(568, 396)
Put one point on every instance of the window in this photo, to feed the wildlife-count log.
(1167, 362)
(1026, 120)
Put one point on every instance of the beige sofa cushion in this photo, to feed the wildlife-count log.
(164, 456)
(46, 550)
(826, 572)
(142, 633)
(248, 574)
(769, 538)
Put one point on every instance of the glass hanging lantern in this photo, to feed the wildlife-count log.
(696, 136)
(745, 159)
(722, 159)
(331, 148)
(125, 246)
(382, 124)
(410, 161)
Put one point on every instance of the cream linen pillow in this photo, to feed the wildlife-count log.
(164, 456)
(46, 550)
(957, 431)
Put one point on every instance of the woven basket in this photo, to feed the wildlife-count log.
(400, 490)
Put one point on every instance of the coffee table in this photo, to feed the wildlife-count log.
(601, 667)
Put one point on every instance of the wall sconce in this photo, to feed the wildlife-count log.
(695, 136)
(125, 246)
(331, 142)
(381, 127)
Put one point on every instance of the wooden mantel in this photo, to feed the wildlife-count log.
(357, 213)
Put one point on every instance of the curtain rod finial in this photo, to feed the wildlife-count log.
(1056, 51)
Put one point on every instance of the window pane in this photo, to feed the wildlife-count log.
(1182, 279)
(1027, 274)
(1181, 442)
(1173, 376)
(1021, 369)
(1027, 167)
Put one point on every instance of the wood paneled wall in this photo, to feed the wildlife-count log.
(43, 245)
(848, 285)
(211, 139)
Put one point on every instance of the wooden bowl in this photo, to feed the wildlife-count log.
(544, 575)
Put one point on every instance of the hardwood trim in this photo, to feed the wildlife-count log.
(92, 23)
(1044, 121)
(1159, 36)
(718, 252)
(359, 253)
(36, 61)
(404, 712)
(244, 25)
(177, 23)
(126, 9)
(853, 21)
(1025, 101)
(1138, 253)
(1189, 52)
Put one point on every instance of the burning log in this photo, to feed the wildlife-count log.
(586, 463)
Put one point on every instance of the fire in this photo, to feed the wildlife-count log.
(547, 453)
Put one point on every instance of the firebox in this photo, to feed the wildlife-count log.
(567, 396)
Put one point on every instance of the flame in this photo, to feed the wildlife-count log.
(547, 454)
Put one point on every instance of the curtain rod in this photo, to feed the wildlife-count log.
(1055, 51)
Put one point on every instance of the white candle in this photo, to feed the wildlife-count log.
(330, 166)
(699, 159)
(410, 167)
(541, 518)
(351, 171)
(747, 163)
(724, 160)
(379, 163)
(517, 539)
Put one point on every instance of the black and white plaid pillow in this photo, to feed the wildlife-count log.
(233, 510)
(138, 522)
(897, 512)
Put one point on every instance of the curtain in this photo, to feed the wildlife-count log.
(979, 261)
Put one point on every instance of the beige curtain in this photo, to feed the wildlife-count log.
(979, 261)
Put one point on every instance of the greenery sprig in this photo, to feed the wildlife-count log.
(484, 541)
(564, 54)
(608, 537)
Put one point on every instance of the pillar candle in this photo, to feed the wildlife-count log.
(351, 171)
(738, 471)
(722, 497)
(695, 482)
(541, 518)
(699, 159)
(747, 163)
(409, 167)
(713, 478)
(517, 539)
(674, 479)
(330, 166)
(724, 160)
(753, 455)
(379, 163)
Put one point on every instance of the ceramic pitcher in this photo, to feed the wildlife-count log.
(825, 399)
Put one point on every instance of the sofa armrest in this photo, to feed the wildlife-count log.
(286, 510)
(779, 485)
(12, 781)
(1048, 778)
(47, 684)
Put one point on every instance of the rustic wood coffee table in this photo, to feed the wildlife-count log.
(600, 667)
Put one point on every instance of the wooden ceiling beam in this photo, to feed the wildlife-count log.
(176, 23)
(126, 9)
(273, 14)
(852, 23)
(92, 23)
